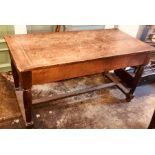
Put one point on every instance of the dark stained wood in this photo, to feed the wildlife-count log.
(120, 86)
(36, 51)
(137, 77)
(15, 75)
(125, 77)
(68, 71)
(26, 84)
(152, 122)
(26, 80)
(130, 81)
(27, 98)
(117, 83)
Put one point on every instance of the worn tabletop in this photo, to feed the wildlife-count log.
(34, 51)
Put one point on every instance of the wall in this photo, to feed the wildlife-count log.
(4, 54)
(20, 29)
(40, 28)
(133, 30)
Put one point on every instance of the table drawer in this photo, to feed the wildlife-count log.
(73, 70)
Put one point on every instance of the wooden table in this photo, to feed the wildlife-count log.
(48, 57)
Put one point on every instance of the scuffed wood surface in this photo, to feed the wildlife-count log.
(33, 51)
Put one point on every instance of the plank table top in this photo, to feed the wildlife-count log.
(43, 50)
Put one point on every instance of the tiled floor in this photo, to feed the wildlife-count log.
(99, 109)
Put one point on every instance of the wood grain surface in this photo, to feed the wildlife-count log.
(37, 51)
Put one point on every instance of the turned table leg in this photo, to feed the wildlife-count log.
(26, 84)
(129, 80)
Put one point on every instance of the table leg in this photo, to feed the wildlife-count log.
(26, 84)
(137, 77)
(15, 75)
(152, 123)
(129, 80)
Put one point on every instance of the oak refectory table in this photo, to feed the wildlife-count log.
(47, 57)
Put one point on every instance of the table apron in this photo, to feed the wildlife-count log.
(62, 72)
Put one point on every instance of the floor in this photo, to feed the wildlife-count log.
(103, 109)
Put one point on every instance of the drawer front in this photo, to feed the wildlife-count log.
(68, 71)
